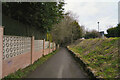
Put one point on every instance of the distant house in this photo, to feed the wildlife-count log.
(83, 38)
(102, 34)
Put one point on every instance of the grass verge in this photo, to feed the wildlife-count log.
(100, 56)
(22, 73)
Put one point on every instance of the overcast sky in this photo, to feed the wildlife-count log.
(92, 11)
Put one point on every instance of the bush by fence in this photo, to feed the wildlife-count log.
(18, 52)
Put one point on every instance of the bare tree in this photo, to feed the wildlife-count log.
(67, 30)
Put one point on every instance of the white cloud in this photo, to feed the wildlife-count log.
(91, 12)
(92, 0)
(105, 23)
(82, 8)
(87, 9)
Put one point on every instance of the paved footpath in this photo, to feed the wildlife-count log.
(60, 65)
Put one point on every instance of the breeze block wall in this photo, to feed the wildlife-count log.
(38, 49)
(51, 47)
(46, 51)
(18, 52)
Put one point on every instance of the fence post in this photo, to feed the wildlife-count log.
(55, 46)
(58, 46)
(1, 50)
(43, 47)
(52, 46)
(32, 49)
(49, 46)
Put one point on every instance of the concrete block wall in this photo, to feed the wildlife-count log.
(11, 65)
(38, 49)
(19, 52)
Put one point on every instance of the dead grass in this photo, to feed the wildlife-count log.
(101, 55)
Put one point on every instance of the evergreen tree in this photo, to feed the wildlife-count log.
(40, 15)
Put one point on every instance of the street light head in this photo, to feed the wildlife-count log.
(98, 26)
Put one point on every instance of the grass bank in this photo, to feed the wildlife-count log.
(100, 55)
(22, 73)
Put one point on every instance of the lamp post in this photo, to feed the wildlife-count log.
(98, 26)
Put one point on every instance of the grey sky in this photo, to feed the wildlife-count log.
(92, 11)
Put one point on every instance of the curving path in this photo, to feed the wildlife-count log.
(60, 65)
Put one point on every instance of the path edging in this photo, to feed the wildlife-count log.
(84, 66)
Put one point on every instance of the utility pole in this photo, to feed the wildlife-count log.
(98, 26)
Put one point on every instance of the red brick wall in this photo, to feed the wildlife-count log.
(13, 64)
(51, 50)
(46, 51)
(37, 55)
(18, 62)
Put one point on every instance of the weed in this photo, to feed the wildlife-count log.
(100, 55)
(21, 73)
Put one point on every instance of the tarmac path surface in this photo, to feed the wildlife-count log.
(60, 65)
